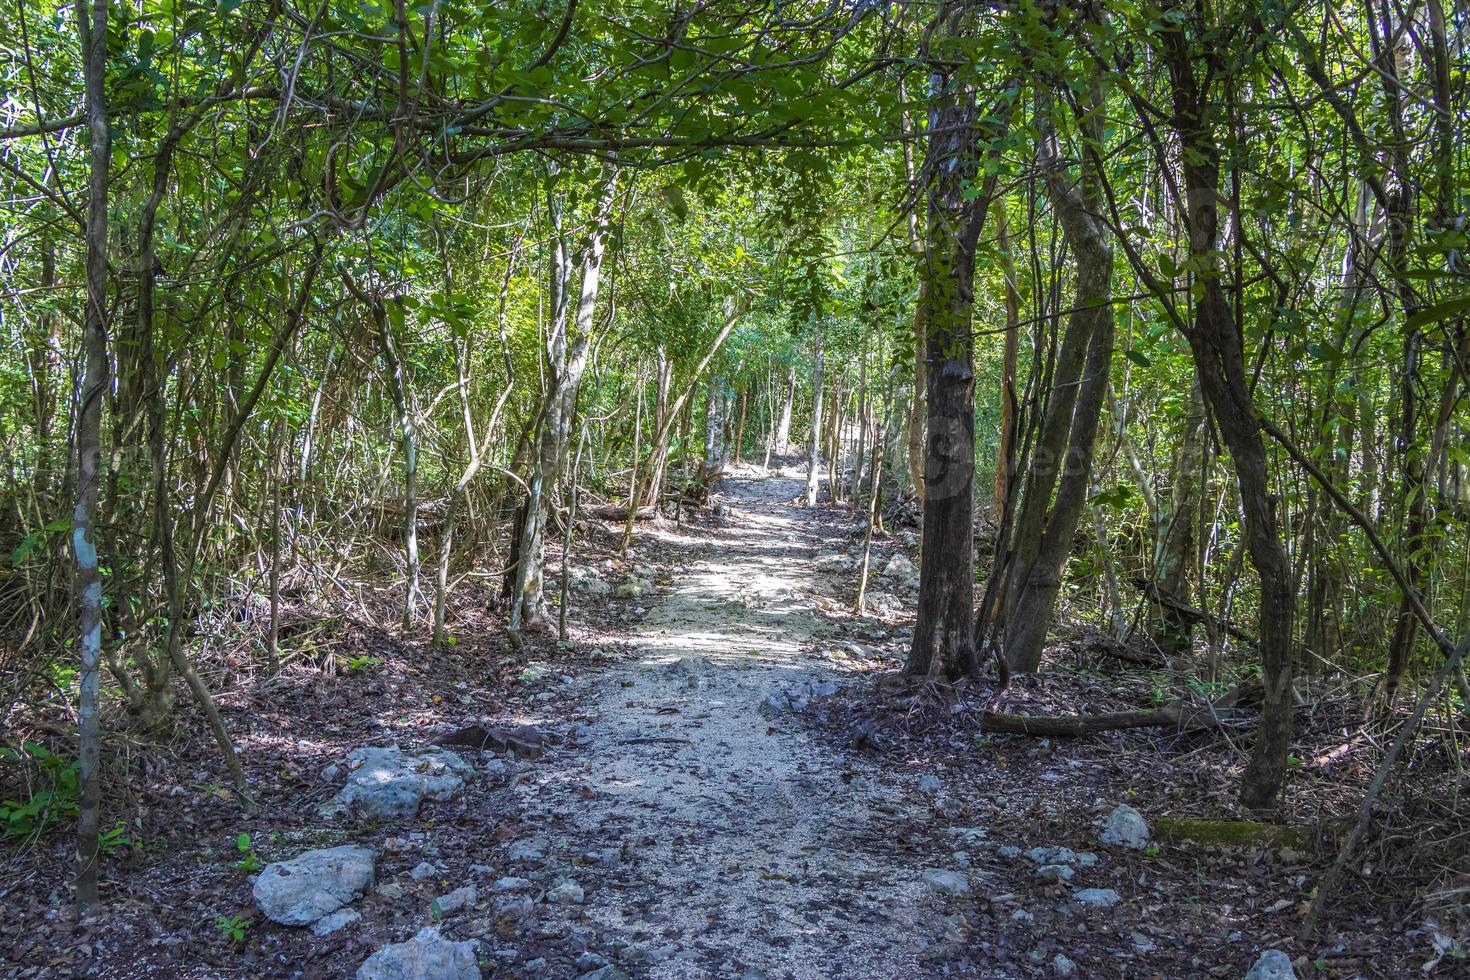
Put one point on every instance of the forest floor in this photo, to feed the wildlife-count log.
(726, 790)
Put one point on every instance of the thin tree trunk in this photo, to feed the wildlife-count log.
(568, 358)
(813, 457)
(783, 428)
(1037, 577)
(740, 429)
(1005, 452)
(408, 436)
(89, 453)
(1215, 341)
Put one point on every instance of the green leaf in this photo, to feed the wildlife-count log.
(1138, 357)
(1437, 312)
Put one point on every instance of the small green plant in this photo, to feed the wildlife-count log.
(233, 926)
(359, 664)
(1152, 850)
(115, 839)
(45, 807)
(250, 862)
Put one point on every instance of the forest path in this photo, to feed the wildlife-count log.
(748, 849)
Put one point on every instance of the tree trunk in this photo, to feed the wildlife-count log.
(943, 632)
(1174, 633)
(398, 387)
(568, 347)
(783, 428)
(1215, 341)
(93, 391)
(814, 449)
(1044, 544)
(1005, 451)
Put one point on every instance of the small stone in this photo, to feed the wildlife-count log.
(632, 588)
(533, 672)
(1273, 965)
(427, 956)
(1126, 828)
(302, 890)
(949, 882)
(591, 961)
(460, 898)
(387, 782)
(1063, 967)
(391, 890)
(422, 870)
(511, 909)
(608, 972)
(535, 966)
(1140, 942)
(1052, 855)
(1056, 872)
(1103, 898)
(523, 851)
(511, 884)
(329, 924)
(1008, 851)
(1021, 915)
(566, 893)
(900, 569)
(929, 783)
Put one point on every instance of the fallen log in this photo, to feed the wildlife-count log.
(1180, 715)
(617, 512)
(1233, 833)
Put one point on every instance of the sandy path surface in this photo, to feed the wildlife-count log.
(745, 848)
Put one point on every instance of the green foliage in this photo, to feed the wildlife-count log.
(54, 803)
(233, 927)
(249, 863)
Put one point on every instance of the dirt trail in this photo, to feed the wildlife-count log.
(749, 849)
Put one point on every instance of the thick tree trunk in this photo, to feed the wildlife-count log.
(943, 631)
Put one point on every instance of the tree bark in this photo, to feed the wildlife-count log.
(1215, 341)
(93, 391)
(943, 631)
(1043, 544)
(568, 347)
(814, 448)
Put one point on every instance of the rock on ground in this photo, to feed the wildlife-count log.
(1103, 898)
(460, 898)
(949, 882)
(1126, 828)
(302, 890)
(1273, 965)
(427, 956)
(329, 924)
(388, 782)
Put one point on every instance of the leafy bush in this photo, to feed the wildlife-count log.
(47, 806)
